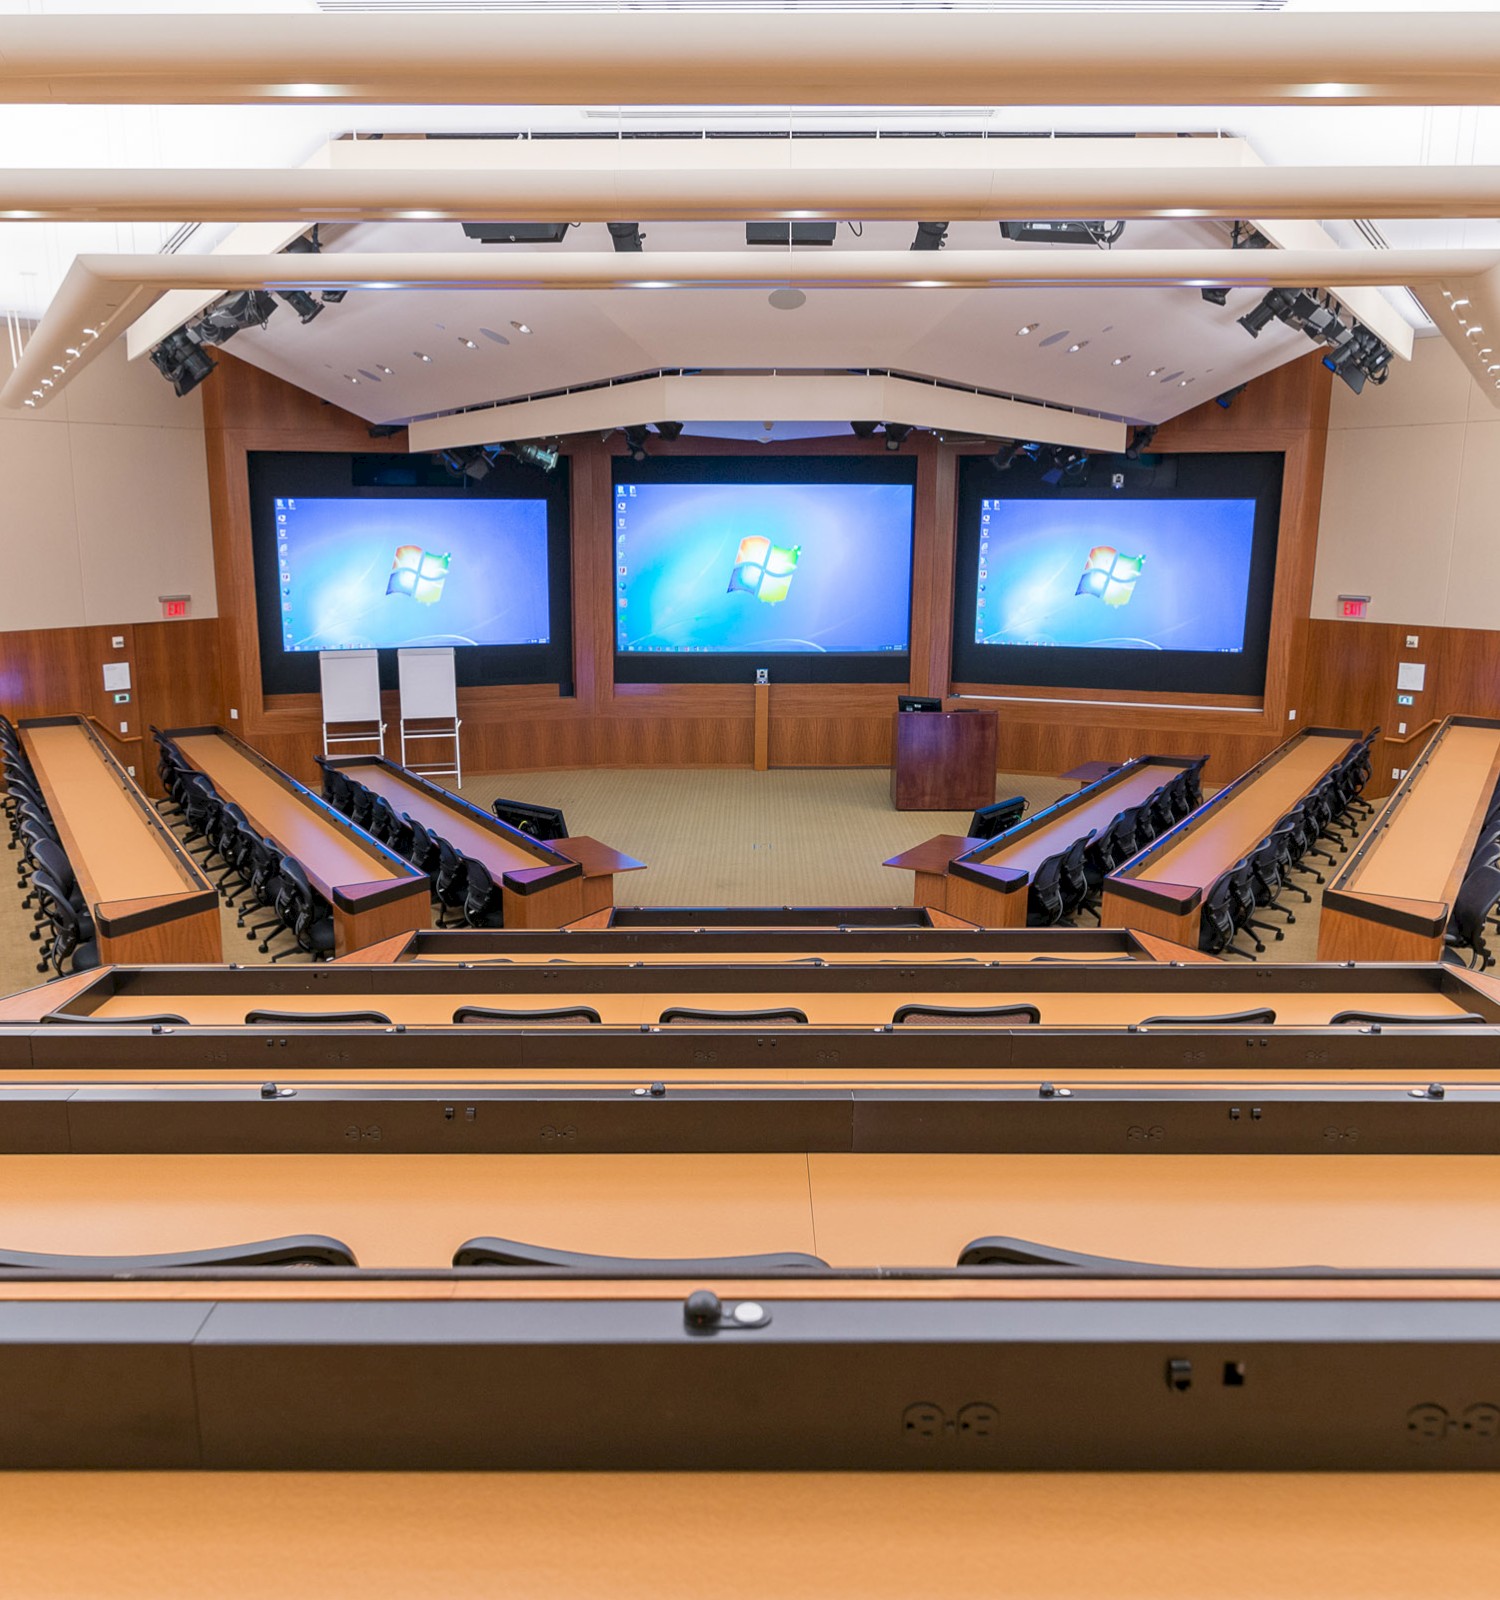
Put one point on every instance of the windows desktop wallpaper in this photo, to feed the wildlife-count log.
(736, 568)
(1114, 574)
(364, 573)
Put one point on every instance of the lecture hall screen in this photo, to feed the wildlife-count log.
(367, 552)
(1137, 577)
(717, 572)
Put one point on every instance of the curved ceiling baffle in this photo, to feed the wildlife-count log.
(102, 293)
(765, 57)
(800, 59)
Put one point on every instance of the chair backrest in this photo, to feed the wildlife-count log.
(314, 1018)
(1216, 920)
(482, 897)
(512, 1253)
(732, 1019)
(423, 852)
(1258, 1017)
(450, 884)
(295, 1250)
(50, 856)
(558, 1016)
(1477, 897)
(925, 1016)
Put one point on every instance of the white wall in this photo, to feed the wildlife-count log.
(1411, 497)
(104, 502)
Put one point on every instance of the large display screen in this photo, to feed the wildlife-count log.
(801, 566)
(391, 552)
(361, 574)
(1125, 575)
(1153, 575)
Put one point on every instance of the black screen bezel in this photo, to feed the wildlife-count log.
(354, 476)
(1243, 475)
(876, 666)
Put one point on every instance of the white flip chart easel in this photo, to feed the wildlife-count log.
(429, 707)
(351, 699)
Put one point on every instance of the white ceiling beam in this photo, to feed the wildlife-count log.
(764, 57)
(606, 186)
(751, 397)
(106, 293)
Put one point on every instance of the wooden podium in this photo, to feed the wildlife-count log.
(943, 760)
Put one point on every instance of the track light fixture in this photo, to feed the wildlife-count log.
(668, 430)
(1065, 467)
(1009, 452)
(864, 430)
(302, 303)
(249, 308)
(309, 244)
(470, 461)
(1101, 234)
(930, 236)
(1140, 442)
(1229, 396)
(1215, 297)
(896, 434)
(1276, 303)
(636, 438)
(543, 455)
(626, 237)
(182, 361)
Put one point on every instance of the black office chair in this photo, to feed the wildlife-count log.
(1072, 879)
(1476, 899)
(558, 1016)
(450, 883)
(422, 850)
(483, 901)
(310, 1019)
(1265, 885)
(305, 912)
(338, 791)
(1044, 900)
(691, 1017)
(1216, 924)
(294, 1250)
(489, 1252)
(1160, 809)
(1391, 1019)
(927, 1016)
(1242, 905)
(394, 832)
(67, 943)
(1258, 1017)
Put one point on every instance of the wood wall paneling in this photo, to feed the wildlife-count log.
(602, 723)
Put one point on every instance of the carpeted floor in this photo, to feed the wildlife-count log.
(794, 836)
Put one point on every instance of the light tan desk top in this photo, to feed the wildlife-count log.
(466, 834)
(791, 1535)
(114, 850)
(834, 1009)
(1414, 854)
(774, 958)
(1234, 828)
(1027, 854)
(329, 855)
(853, 1210)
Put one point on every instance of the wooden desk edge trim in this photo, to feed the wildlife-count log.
(1196, 819)
(366, 842)
(115, 924)
(195, 881)
(452, 802)
(1352, 904)
(1071, 802)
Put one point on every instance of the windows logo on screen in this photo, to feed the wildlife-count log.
(764, 569)
(1110, 576)
(418, 573)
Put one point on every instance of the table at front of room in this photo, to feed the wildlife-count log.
(1392, 899)
(1161, 889)
(147, 897)
(542, 885)
(987, 883)
(372, 891)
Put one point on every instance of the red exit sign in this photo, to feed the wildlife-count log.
(173, 606)
(1353, 605)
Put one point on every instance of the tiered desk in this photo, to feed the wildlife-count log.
(1160, 890)
(148, 898)
(542, 885)
(1392, 898)
(372, 891)
(986, 880)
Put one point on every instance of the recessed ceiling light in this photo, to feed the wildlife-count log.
(46, 384)
(71, 351)
(468, 344)
(1073, 349)
(1153, 372)
(1458, 303)
(1185, 382)
(1119, 361)
(1025, 328)
(386, 370)
(520, 327)
(420, 357)
(31, 403)
(351, 380)
(57, 368)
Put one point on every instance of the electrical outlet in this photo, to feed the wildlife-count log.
(1411, 641)
(234, 713)
(117, 642)
(124, 727)
(1395, 772)
(1400, 727)
(130, 772)
(1291, 716)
